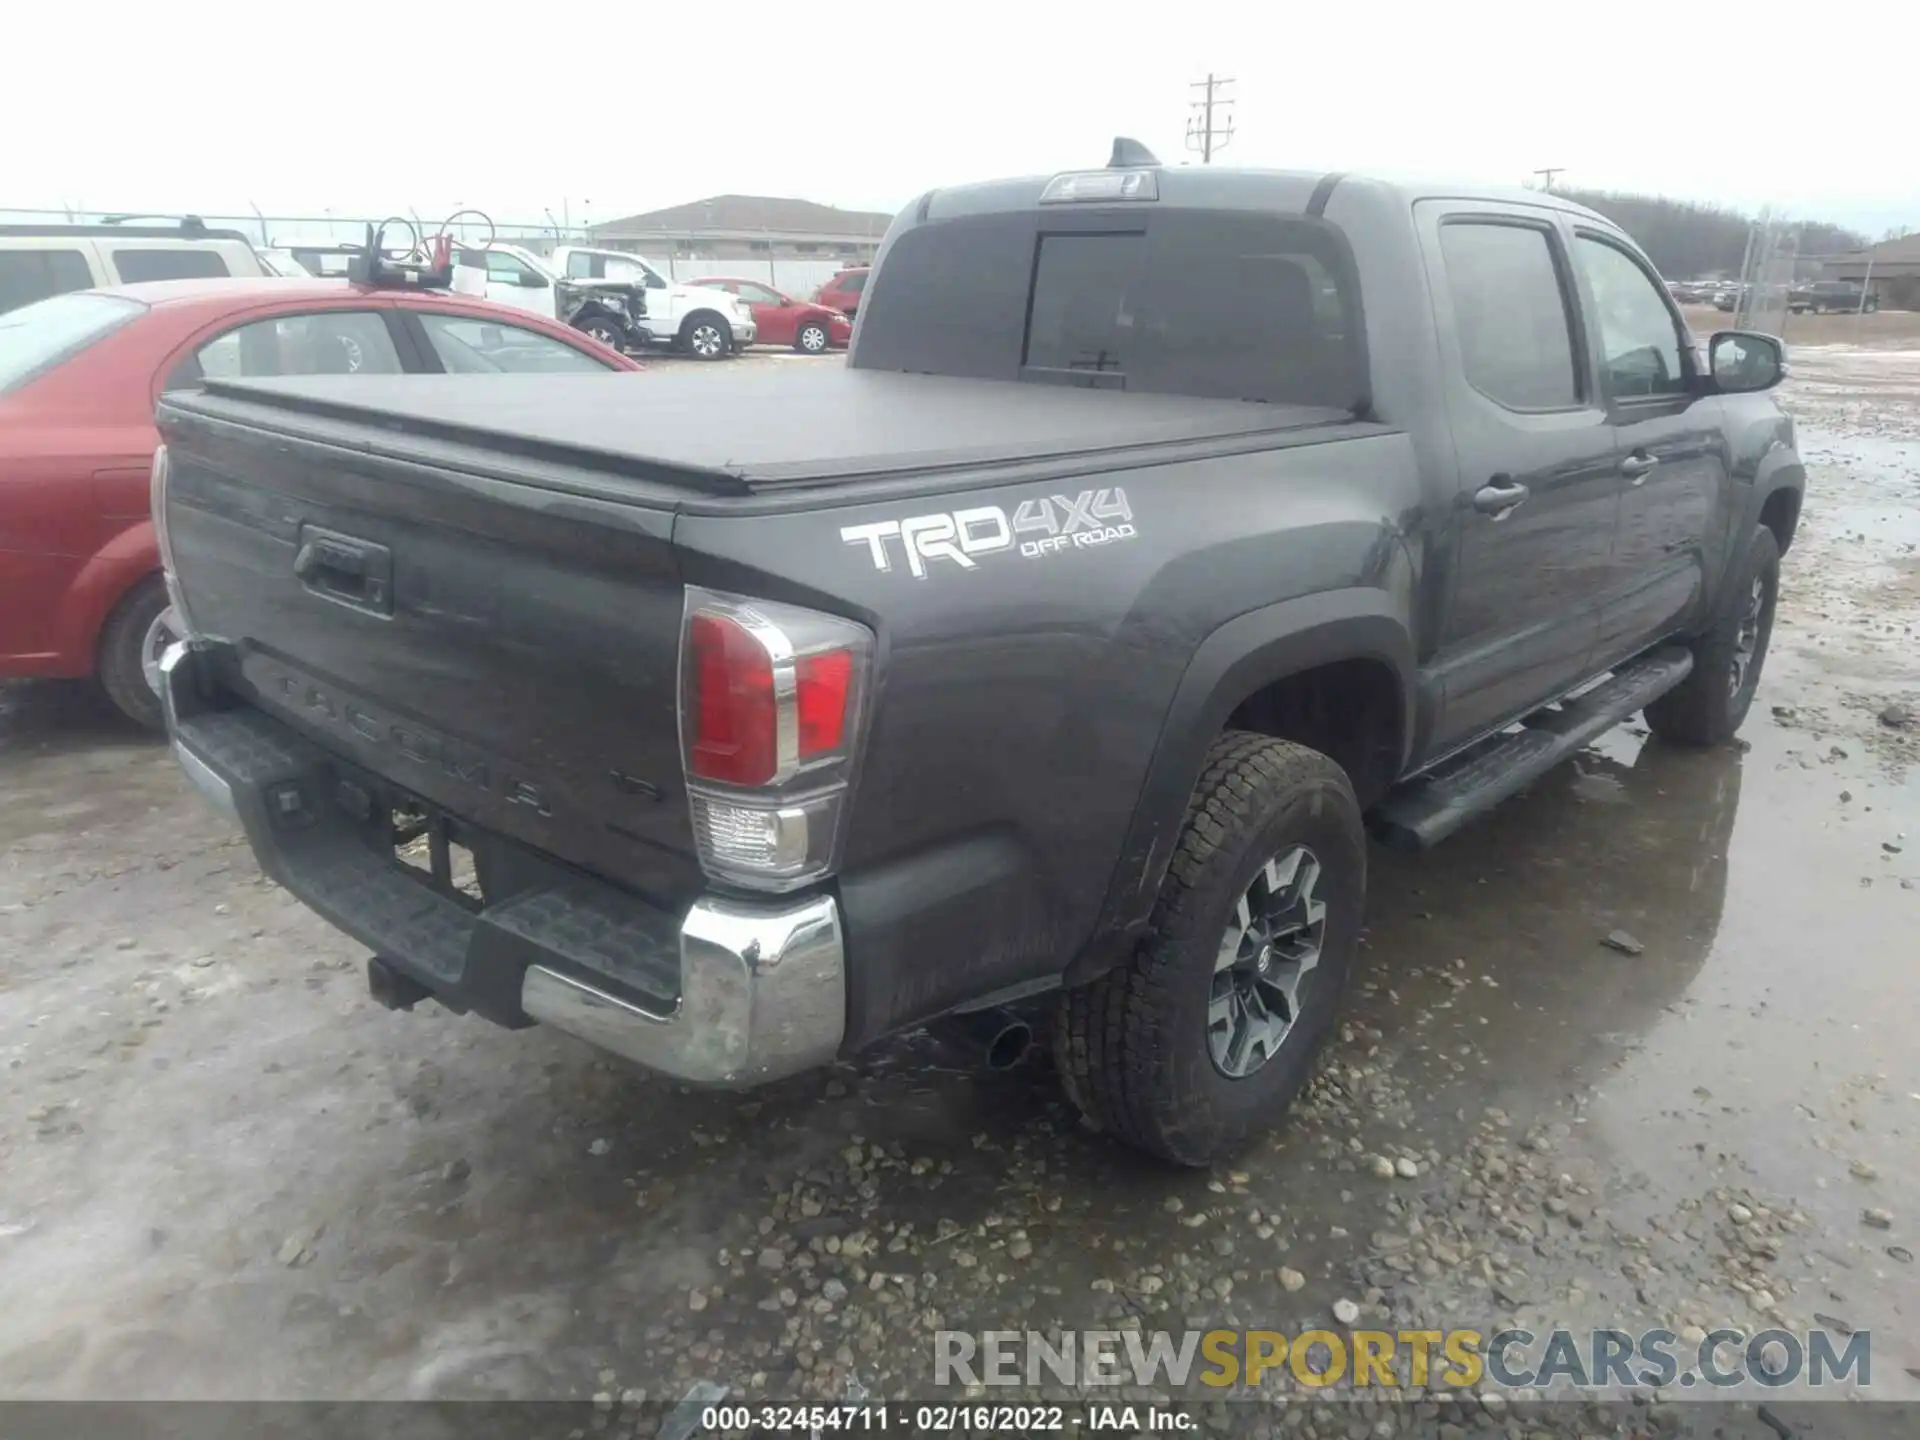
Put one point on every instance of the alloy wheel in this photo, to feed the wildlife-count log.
(1271, 945)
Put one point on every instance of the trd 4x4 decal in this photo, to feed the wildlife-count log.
(1043, 525)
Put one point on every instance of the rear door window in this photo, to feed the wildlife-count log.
(35, 338)
(327, 342)
(135, 266)
(1510, 313)
(30, 275)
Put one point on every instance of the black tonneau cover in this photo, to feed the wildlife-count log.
(769, 427)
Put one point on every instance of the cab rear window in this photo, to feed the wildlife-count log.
(1225, 304)
(36, 338)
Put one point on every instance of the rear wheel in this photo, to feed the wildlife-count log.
(1708, 707)
(132, 641)
(1202, 1039)
(812, 338)
(706, 337)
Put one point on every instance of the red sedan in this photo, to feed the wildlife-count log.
(80, 586)
(782, 320)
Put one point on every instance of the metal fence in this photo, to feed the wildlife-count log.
(796, 277)
(1767, 274)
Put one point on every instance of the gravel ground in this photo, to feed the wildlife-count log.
(225, 1173)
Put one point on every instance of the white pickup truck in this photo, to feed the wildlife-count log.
(706, 324)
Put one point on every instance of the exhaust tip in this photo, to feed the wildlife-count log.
(1007, 1048)
(989, 1039)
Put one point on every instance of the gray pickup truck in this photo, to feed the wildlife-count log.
(1166, 530)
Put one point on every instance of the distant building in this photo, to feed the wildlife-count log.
(749, 227)
(1889, 270)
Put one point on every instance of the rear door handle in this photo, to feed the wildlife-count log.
(1499, 496)
(1638, 466)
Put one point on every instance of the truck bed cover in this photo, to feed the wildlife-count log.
(769, 428)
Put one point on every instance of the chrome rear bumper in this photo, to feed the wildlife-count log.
(730, 993)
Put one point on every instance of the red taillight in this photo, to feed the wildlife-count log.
(824, 683)
(771, 697)
(736, 723)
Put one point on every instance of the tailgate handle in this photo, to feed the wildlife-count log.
(345, 569)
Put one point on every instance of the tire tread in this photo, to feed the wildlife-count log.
(1109, 1050)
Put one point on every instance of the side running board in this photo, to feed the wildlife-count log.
(1430, 807)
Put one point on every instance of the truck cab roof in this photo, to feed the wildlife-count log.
(1236, 188)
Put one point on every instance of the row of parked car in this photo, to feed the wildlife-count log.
(624, 301)
(620, 299)
(1816, 297)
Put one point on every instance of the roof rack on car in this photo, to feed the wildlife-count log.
(184, 227)
(191, 224)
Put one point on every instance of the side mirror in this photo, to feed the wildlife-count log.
(1744, 361)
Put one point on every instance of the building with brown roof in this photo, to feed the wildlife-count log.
(1889, 270)
(757, 227)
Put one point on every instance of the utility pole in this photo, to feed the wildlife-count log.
(1546, 174)
(1204, 134)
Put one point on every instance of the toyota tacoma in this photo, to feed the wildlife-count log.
(1167, 531)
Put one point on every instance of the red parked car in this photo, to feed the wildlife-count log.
(80, 586)
(842, 292)
(783, 320)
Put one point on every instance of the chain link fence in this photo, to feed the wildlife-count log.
(1767, 274)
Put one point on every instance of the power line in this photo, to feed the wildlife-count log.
(1205, 133)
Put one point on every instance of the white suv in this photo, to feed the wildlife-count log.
(37, 261)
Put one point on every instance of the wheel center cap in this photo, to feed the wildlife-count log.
(1266, 959)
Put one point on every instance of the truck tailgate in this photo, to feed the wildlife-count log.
(490, 643)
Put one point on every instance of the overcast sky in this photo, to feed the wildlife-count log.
(614, 108)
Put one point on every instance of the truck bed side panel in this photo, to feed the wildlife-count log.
(1022, 693)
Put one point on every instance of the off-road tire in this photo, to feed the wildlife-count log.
(1131, 1047)
(120, 672)
(1705, 709)
(706, 320)
(818, 327)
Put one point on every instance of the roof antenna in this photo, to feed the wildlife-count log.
(1129, 153)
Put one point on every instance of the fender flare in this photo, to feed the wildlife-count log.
(1239, 658)
(1780, 471)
